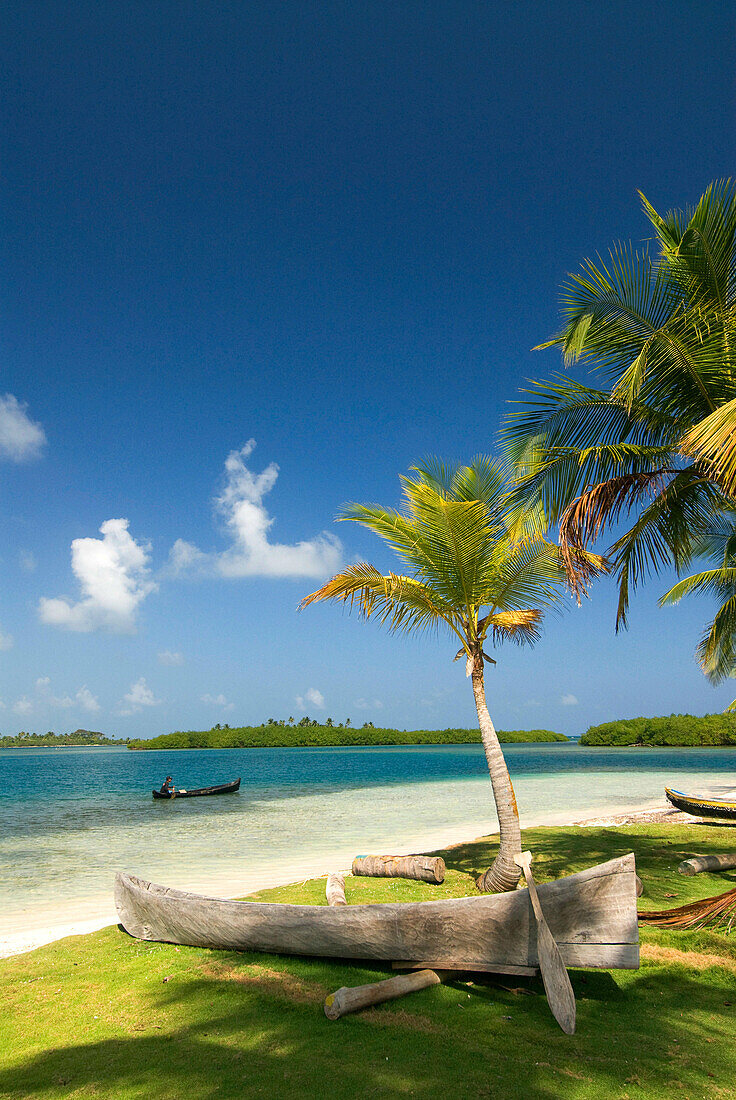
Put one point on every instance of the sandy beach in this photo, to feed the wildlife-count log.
(81, 918)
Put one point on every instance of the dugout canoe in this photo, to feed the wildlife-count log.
(702, 807)
(592, 916)
(198, 792)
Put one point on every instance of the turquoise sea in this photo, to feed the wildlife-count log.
(69, 818)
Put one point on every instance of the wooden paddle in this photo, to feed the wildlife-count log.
(556, 980)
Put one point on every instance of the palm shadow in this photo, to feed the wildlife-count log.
(247, 1034)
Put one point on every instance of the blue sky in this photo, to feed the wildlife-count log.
(259, 258)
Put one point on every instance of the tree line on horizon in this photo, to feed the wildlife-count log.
(79, 738)
(276, 735)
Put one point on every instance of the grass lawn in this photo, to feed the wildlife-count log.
(108, 1016)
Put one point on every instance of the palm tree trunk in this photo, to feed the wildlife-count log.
(504, 874)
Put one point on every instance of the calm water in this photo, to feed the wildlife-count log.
(70, 818)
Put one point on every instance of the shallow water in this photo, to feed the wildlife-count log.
(69, 818)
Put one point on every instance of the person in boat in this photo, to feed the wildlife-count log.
(167, 787)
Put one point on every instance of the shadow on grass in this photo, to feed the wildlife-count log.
(244, 1025)
(559, 852)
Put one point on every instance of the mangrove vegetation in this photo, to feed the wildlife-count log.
(314, 735)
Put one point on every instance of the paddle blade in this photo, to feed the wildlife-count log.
(556, 980)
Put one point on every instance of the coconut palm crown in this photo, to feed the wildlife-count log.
(654, 448)
(475, 569)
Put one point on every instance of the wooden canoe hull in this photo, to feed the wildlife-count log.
(592, 916)
(199, 792)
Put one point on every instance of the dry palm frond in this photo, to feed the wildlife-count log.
(516, 626)
(590, 513)
(716, 912)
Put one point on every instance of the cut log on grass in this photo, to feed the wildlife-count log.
(707, 863)
(335, 889)
(425, 868)
(353, 998)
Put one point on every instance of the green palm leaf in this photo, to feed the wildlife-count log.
(657, 442)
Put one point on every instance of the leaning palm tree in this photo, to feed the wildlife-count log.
(474, 569)
(657, 442)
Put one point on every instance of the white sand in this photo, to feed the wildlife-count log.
(80, 918)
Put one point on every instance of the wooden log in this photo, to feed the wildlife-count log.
(707, 863)
(335, 889)
(353, 998)
(425, 868)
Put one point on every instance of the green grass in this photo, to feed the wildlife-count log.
(314, 736)
(108, 1016)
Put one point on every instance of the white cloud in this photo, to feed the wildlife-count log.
(83, 698)
(311, 695)
(185, 558)
(140, 695)
(87, 700)
(27, 560)
(23, 706)
(20, 437)
(166, 657)
(217, 701)
(113, 577)
(248, 524)
(6, 640)
(569, 700)
(368, 704)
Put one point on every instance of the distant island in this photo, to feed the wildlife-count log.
(50, 740)
(679, 730)
(308, 733)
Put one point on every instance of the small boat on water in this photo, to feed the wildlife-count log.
(592, 916)
(702, 807)
(181, 792)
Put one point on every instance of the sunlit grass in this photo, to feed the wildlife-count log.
(108, 1016)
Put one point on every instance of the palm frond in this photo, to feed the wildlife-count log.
(529, 572)
(402, 603)
(716, 650)
(597, 508)
(714, 912)
(666, 532)
(713, 582)
(520, 626)
(712, 442)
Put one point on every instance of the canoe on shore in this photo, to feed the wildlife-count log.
(702, 807)
(592, 916)
(198, 792)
